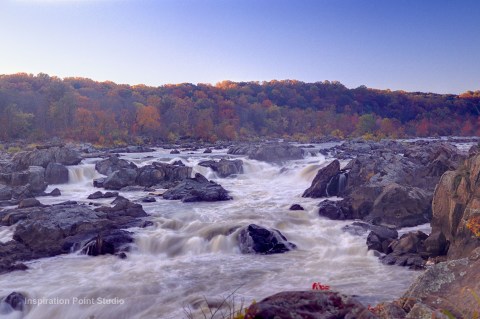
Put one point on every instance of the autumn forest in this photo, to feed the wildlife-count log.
(38, 107)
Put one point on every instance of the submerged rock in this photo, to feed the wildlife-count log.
(197, 189)
(259, 240)
(308, 304)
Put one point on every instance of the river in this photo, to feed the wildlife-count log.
(190, 253)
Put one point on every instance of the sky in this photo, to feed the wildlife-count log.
(411, 45)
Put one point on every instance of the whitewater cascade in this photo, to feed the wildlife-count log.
(191, 253)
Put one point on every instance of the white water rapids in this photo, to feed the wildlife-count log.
(191, 253)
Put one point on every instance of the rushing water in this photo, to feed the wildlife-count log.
(190, 253)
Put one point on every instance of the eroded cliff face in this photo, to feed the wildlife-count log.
(456, 208)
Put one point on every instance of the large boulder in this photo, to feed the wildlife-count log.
(51, 230)
(321, 180)
(108, 242)
(162, 175)
(451, 286)
(408, 250)
(400, 206)
(224, 168)
(269, 152)
(42, 157)
(308, 304)
(380, 238)
(56, 174)
(456, 208)
(197, 189)
(254, 239)
(33, 178)
(331, 210)
(121, 178)
(113, 163)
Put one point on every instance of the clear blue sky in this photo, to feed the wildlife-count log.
(414, 45)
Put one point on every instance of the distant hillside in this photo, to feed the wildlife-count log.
(38, 107)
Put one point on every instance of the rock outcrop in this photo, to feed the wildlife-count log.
(387, 186)
(456, 208)
(47, 231)
(452, 286)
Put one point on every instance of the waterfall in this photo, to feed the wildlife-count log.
(82, 173)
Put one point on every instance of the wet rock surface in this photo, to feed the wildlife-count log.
(259, 240)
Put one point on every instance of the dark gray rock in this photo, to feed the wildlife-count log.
(269, 152)
(296, 207)
(224, 168)
(29, 202)
(436, 244)
(174, 152)
(331, 210)
(43, 157)
(51, 230)
(408, 250)
(260, 240)
(162, 175)
(16, 301)
(108, 242)
(321, 180)
(56, 174)
(308, 304)
(380, 238)
(5, 192)
(98, 182)
(149, 199)
(112, 164)
(121, 178)
(197, 189)
(55, 192)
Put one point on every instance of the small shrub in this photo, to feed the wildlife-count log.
(13, 149)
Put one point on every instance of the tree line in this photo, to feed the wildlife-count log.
(36, 107)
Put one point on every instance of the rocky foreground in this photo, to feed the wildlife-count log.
(383, 186)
